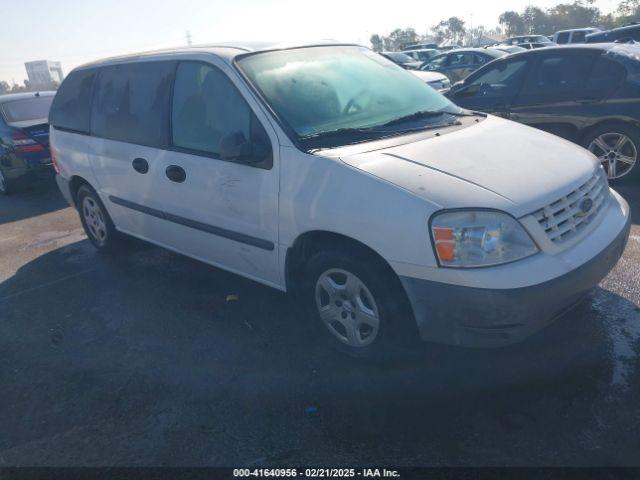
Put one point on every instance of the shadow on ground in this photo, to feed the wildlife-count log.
(36, 198)
(142, 358)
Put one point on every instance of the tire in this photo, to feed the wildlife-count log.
(616, 157)
(6, 186)
(95, 219)
(358, 304)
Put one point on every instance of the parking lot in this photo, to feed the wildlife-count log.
(145, 357)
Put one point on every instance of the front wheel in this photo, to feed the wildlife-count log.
(616, 147)
(357, 302)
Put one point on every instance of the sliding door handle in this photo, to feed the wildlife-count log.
(140, 165)
(176, 173)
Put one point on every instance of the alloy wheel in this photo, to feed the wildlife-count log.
(617, 152)
(94, 219)
(347, 308)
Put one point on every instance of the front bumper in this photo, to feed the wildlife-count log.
(491, 317)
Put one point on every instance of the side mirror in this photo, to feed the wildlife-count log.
(235, 146)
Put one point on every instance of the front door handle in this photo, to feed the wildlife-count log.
(140, 165)
(176, 173)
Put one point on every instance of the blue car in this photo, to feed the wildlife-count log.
(24, 138)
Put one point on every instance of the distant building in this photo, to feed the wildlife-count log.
(44, 72)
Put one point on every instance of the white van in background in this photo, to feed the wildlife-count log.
(328, 171)
(576, 35)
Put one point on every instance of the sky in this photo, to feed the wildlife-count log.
(78, 31)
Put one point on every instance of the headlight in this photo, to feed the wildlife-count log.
(467, 238)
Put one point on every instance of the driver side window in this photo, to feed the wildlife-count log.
(501, 80)
(206, 108)
(435, 63)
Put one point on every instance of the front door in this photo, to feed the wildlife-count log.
(221, 210)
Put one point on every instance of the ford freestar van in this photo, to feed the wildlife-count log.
(331, 172)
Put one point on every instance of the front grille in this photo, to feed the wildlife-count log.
(565, 218)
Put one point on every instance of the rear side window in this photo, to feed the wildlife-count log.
(71, 108)
(564, 37)
(132, 103)
(558, 75)
(578, 37)
(605, 77)
(27, 109)
(206, 108)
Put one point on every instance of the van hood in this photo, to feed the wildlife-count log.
(494, 163)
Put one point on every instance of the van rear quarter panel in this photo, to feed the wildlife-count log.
(72, 155)
(325, 194)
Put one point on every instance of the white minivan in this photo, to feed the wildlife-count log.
(330, 172)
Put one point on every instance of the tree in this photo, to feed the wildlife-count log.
(4, 87)
(452, 29)
(377, 43)
(580, 13)
(536, 21)
(628, 12)
(399, 38)
(513, 23)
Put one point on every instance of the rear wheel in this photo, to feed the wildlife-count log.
(358, 303)
(95, 219)
(617, 147)
(5, 184)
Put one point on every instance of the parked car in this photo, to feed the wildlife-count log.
(508, 48)
(622, 34)
(319, 170)
(527, 39)
(588, 94)
(435, 80)
(402, 59)
(576, 35)
(422, 55)
(421, 46)
(24, 138)
(533, 46)
(457, 64)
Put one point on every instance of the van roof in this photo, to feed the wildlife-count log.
(226, 50)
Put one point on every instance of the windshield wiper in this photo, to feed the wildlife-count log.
(429, 114)
(420, 114)
(336, 133)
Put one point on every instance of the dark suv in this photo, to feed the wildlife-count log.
(628, 33)
(24, 137)
(589, 94)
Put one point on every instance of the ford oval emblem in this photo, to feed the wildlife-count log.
(585, 206)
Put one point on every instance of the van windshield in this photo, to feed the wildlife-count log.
(319, 90)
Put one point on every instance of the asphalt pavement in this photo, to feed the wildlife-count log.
(145, 357)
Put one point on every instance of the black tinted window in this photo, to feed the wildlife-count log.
(556, 74)
(579, 37)
(563, 37)
(605, 77)
(207, 107)
(71, 108)
(501, 80)
(132, 103)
